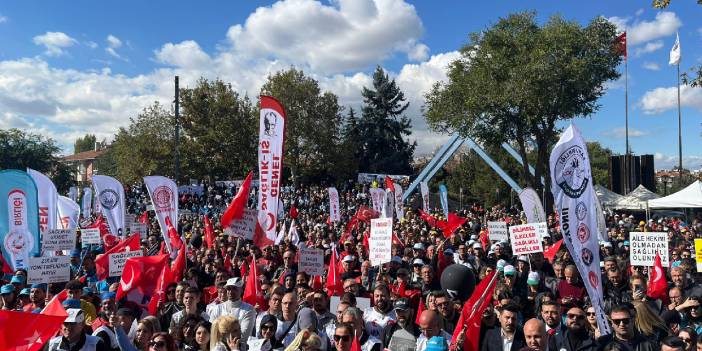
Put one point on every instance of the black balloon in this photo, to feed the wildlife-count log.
(458, 281)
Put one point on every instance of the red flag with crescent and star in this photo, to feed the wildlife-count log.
(657, 284)
(102, 262)
(142, 274)
(472, 313)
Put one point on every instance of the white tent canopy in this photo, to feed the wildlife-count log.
(689, 197)
(607, 197)
(636, 200)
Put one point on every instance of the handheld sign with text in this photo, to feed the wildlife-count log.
(497, 231)
(90, 236)
(312, 261)
(54, 269)
(58, 240)
(140, 228)
(525, 238)
(644, 247)
(698, 254)
(380, 242)
(118, 260)
(245, 226)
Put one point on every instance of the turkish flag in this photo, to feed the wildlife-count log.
(209, 233)
(108, 240)
(102, 262)
(293, 212)
(657, 284)
(144, 217)
(472, 313)
(141, 273)
(550, 254)
(5, 266)
(176, 243)
(160, 294)
(431, 221)
(620, 44)
(238, 204)
(365, 214)
(334, 285)
(420, 309)
(252, 291)
(23, 331)
(389, 184)
(178, 268)
(454, 222)
(260, 239)
(355, 345)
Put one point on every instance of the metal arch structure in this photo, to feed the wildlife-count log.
(449, 149)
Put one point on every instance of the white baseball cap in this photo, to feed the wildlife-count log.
(349, 258)
(237, 282)
(75, 315)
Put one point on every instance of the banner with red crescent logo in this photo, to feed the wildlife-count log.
(270, 165)
(334, 214)
(164, 197)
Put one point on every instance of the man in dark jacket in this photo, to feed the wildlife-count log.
(576, 337)
(403, 334)
(624, 334)
(508, 337)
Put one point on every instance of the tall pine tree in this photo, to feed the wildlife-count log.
(382, 128)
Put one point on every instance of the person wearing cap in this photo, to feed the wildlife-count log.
(75, 263)
(419, 251)
(107, 307)
(18, 281)
(381, 313)
(237, 308)
(348, 267)
(403, 334)
(8, 297)
(73, 336)
(75, 291)
(437, 343)
(23, 297)
(37, 298)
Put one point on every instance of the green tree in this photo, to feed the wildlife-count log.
(22, 150)
(85, 143)
(220, 131)
(599, 163)
(383, 129)
(517, 79)
(144, 148)
(312, 125)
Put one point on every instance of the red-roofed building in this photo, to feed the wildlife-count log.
(82, 164)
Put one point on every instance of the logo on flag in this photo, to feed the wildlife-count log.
(108, 198)
(270, 120)
(571, 176)
(18, 241)
(163, 196)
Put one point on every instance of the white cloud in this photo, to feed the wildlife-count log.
(620, 133)
(54, 42)
(418, 53)
(648, 48)
(639, 12)
(91, 44)
(662, 161)
(651, 66)
(638, 32)
(350, 35)
(663, 99)
(113, 43)
(3, 19)
(187, 55)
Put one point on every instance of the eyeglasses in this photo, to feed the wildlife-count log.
(344, 338)
(591, 314)
(157, 344)
(624, 321)
(266, 327)
(685, 340)
(575, 316)
(287, 258)
(170, 291)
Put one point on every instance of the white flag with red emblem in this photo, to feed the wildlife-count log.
(164, 198)
(68, 213)
(334, 214)
(270, 168)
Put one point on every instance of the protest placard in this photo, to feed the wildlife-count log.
(380, 241)
(542, 230)
(129, 219)
(58, 240)
(644, 246)
(497, 231)
(90, 236)
(244, 227)
(698, 254)
(54, 269)
(312, 261)
(118, 260)
(525, 239)
(140, 228)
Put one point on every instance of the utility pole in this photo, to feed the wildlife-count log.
(177, 131)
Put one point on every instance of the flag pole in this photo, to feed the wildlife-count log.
(680, 169)
(626, 119)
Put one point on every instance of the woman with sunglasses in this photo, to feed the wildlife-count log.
(266, 330)
(343, 337)
(592, 322)
(162, 342)
(689, 337)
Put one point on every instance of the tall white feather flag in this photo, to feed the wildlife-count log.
(675, 52)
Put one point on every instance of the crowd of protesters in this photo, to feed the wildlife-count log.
(539, 303)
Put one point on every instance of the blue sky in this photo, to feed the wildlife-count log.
(88, 67)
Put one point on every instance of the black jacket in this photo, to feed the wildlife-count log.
(586, 343)
(638, 343)
(391, 328)
(493, 340)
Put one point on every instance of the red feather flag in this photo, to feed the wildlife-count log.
(473, 312)
(334, 285)
(102, 262)
(209, 233)
(389, 184)
(252, 291)
(550, 254)
(236, 207)
(293, 212)
(657, 284)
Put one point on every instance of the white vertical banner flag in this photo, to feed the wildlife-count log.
(281, 234)
(675, 55)
(110, 197)
(270, 165)
(443, 195)
(164, 197)
(424, 187)
(531, 204)
(87, 202)
(68, 213)
(388, 204)
(601, 224)
(377, 198)
(73, 193)
(292, 234)
(571, 185)
(48, 200)
(399, 210)
(334, 214)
